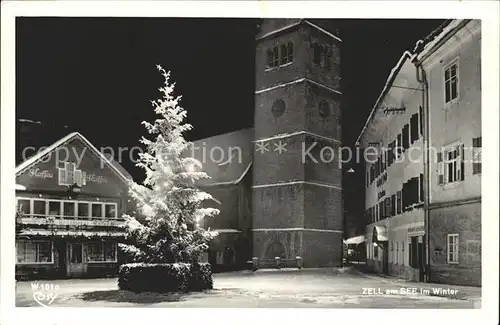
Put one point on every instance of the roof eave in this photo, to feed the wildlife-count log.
(388, 85)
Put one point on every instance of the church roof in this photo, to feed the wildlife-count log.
(226, 158)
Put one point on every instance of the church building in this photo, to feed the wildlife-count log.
(278, 185)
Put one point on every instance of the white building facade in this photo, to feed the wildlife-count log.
(422, 144)
(452, 71)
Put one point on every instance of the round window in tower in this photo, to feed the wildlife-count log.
(278, 107)
(324, 109)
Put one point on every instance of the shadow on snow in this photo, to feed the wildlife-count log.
(150, 297)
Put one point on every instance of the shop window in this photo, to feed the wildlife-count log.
(110, 251)
(33, 252)
(95, 252)
(452, 251)
(110, 211)
(96, 210)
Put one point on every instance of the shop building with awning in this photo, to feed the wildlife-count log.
(70, 199)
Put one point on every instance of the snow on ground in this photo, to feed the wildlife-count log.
(323, 288)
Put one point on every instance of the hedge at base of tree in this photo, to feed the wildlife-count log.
(141, 277)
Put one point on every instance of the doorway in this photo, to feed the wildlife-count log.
(417, 256)
(76, 265)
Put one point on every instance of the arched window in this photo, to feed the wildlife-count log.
(316, 54)
(276, 58)
(321, 55)
(290, 51)
(328, 58)
(284, 54)
(278, 108)
(270, 58)
(324, 109)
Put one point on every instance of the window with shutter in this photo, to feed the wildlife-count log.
(392, 146)
(399, 203)
(387, 207)
(462, 162)
(399, 146)
(404, 199)
(476, 156)
(440, 167)
(421, 120)
(414, 128)
(421, 188)
(290, 51)
(406, 137)
(393, 205)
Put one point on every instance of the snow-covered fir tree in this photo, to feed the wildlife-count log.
(169, 197)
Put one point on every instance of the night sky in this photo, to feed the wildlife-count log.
(97, 75)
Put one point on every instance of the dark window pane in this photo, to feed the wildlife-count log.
(447, 91)
(69, 208)
(290, 52)
(39, 207)
(24, 206)
(110, 211)
(96, 210)
(83, 209)
(284, 54)
(54, 208)
(453, 88)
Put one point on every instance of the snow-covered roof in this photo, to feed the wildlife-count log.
(75, 135)
(226, 158)
(421, 50)
(423, 47)
(28, 121)
(406, 55)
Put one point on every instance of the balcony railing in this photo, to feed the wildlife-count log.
(73, 221)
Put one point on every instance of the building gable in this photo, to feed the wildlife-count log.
(93, 173)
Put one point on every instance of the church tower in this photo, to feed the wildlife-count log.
(297, 191)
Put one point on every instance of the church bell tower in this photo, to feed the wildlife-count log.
(297, 187)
